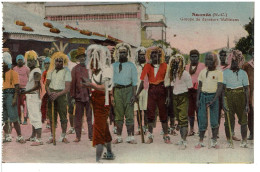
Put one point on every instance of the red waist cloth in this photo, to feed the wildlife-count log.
(101, 134)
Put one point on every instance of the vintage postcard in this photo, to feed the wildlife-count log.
(128, 82)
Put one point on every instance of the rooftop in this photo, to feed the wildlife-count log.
(13, 13)
(60, 4)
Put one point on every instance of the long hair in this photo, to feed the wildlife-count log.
(139, 49)
(236, 54)
(116, 51)
(181, 67)
(99, 55)
(31, 55)
(149, 51)
(55, 56)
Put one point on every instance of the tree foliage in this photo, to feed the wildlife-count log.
(245, 43)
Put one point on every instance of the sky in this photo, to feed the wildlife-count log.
(202, 35)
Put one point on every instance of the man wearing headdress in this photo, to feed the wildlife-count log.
(23, 72)
(194, 69)
(236, 94)
(223, 66)
(140, 62)
(57, 86)
(10, 94)
(156, 71)
(45, 96)
(181, 82)
(80, 94)
(101, 85)
(249, 69)
(123, 95)
(209, 89)
(32, 92)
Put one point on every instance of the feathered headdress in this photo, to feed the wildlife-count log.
(119, 46)
(94, 52)
(58, 55)
(101, 58)
(139, 49)
(31, 55)
(149, 51)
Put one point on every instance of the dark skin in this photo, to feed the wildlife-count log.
(89, 84)
(46, 66)
(82, 59)
(122, 56)
(54, 95)
(31, 63)
(210, 63)
(194, 59)
(141, 58)
(234, 67)
(222, 57)
(40, 62)
(37, 77)
(122, 59)
(174, 66)
(20, 63)
(14, 101)
(155, 57)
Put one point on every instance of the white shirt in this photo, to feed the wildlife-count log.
(139, 72)
(31, 81)
(182, 85)
(156, 68)
(210, 82)
(59, 78)
(107, 74)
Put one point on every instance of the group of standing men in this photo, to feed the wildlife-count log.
(219, 84)
(157, 81)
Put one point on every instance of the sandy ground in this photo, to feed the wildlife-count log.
(157, 152)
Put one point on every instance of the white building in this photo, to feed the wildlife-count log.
(125, 21)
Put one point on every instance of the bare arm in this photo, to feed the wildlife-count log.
(133, 99)
(37, 85)
(218, 93)
(47, 86)
(95, 86)
(141, 87)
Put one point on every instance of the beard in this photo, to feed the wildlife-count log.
(234, 68)
(123, 59)
(141, 61)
